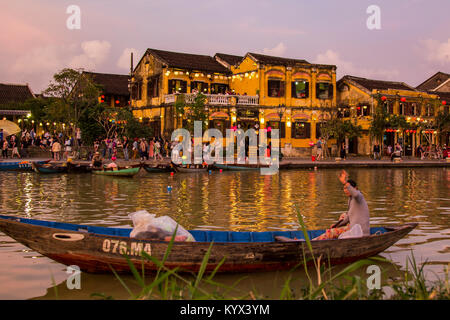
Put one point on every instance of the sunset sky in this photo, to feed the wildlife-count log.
(412, 44)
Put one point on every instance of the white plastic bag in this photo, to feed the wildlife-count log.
(354, 232)
(164, 226)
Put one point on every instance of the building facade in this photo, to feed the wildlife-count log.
(359, 97)
(254, 91)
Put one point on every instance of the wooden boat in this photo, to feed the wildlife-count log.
(240, 167)
(128, 171)
(159, 168)
(50, 167)
(22, 165)
(79, 167)
(190, 168)
(98, 249)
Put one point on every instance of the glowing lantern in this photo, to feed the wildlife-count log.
(403, 99)
(383, 98)
(444, 103)
(117, 101)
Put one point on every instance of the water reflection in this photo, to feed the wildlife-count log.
(239, 201)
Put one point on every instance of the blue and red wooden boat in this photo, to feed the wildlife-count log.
(98, 249)
(20, 165)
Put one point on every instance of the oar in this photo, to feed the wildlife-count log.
(337, 224)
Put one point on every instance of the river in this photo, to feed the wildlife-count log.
(237, 201)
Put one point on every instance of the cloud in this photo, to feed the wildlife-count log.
(94, 53)
(38, 65)
(278, 50)
(348, 68)
(436, 51)
(124, 60)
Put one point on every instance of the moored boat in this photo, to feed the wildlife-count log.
(159, 168)
(190, 168)
(98, 249)
(127, 171)
(241, 167)
(49, 167)
(21, 165)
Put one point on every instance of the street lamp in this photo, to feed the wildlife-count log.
(281, 110)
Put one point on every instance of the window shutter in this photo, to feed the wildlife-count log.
(283, 130)
(293, 130)
(307, 130)
(282, 88)
(306, 89)
(293, 90)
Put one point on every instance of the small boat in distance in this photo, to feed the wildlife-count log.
(98, 249)
(50, 167)
(159, 168)
(127, 171)
(190, 168)
(241, 167)
(22, 165)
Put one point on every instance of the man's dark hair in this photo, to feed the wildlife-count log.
(352, 183)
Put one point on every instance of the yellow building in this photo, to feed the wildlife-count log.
(255, 91)
(358, 98)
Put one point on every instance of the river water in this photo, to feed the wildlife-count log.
(237, 201)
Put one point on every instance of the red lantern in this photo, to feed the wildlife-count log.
(403, 99)
(117, 101)
(383, 98)
(444, 103)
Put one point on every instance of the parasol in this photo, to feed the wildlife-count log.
(9, 128)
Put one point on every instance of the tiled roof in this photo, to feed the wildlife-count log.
(271, 60)
(14, 93)
(115, 84)
(230, 59)
(188, 61)
(434, 81)
(370, 84)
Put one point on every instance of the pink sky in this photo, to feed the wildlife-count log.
(412, 44)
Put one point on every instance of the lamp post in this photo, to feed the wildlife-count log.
(281, 110)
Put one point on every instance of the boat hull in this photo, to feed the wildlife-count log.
(49, 168)
(19, 165)
(97, 250)
(157, 169)
(127, 172)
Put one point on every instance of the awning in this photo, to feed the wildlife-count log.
(300, 116)
(272, 116)
(219, 115)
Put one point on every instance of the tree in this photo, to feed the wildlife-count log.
(196, 111)
(339, 129)
(73, 92)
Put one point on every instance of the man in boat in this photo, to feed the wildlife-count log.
(97, 160)
(357, 214)
(113, 164)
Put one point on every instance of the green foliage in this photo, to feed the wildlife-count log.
(192, 112)
(72, 94)
(339, 129)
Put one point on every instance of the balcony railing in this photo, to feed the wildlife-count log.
(216, 99)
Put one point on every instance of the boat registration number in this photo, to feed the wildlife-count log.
(123, 247)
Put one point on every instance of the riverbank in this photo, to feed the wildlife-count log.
(303, 163)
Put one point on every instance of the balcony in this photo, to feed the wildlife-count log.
(217, 99)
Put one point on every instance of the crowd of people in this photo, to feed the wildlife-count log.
(143, 149)
(60, 145)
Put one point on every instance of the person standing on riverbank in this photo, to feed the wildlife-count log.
(125, 148)
(357, 214)
(376, 151)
